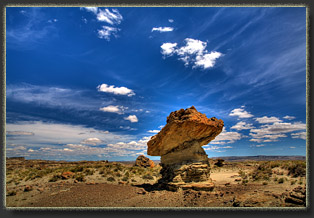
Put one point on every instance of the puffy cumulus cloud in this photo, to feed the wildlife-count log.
(92, 141)
(289, 117)
(131, 118)
(162, 29)
(299, 135)
(19, 133)
(115, 90)
(193, 52)
(242, 126)
(266, 119)
(226, 137)
(114, 109)
(153, 131)
(168, 48)
(106, 31)
(170, 20)
(271, 132)
(241, 113)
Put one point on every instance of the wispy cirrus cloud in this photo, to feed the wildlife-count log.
(111, 17)
(193, 52)
(162, 29)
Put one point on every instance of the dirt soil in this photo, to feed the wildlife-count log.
(229, 191)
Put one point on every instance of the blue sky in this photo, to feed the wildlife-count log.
(96, 83)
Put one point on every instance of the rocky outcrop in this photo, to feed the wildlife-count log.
(142, 161)
(296, 196)
(183, 160)
(67, 175)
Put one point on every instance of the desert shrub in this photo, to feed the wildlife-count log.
(147, 176)
(133, 180)
(55, 178)
(242, 174)
(111, 179)
(276, 179)
(297, 168)
(293, 182)
(80, 177)
(102, 171)
(281, 180)
(118, 174)
(11, 193)
(300, 182)
(265, 183)
(127, 174)
(77, 169)
(262, 172)
(89, 172)
(125, 178)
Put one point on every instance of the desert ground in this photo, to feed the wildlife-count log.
(245, 183)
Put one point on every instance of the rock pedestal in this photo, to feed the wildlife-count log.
(184, 162)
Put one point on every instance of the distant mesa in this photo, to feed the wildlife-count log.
(184, 162)
(142, 161)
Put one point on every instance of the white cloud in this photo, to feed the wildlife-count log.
(132, 118)
(92, 141)
(90, 9)
(299, 135)
(207, 60)
(289, 117)
(161, 126)
(170, 20)
(153, 131)
(292, 147)
(112, 17)
(242, 126)
(168, 48)
(107, 31)
(226, 137)
(266, 119)
(271, 132)
(19, 133)
(193, 52)
(115, 90)
(162, 29)
(241, 113)
(114, 109)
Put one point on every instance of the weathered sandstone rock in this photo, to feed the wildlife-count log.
(142, 161)
(183, 160)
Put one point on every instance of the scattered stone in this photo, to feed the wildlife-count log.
(67, 175)
(184, 162)
(122, 183)
(28, 188)
(40, 189)
(75, 181)
(90, 183)
(142, 161)
(219, 162)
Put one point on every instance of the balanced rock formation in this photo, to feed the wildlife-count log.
(142, 161)
(179, 143)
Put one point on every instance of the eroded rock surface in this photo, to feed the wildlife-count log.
(183, 160)
(142, 161)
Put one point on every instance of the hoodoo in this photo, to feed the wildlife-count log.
(184, 162)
